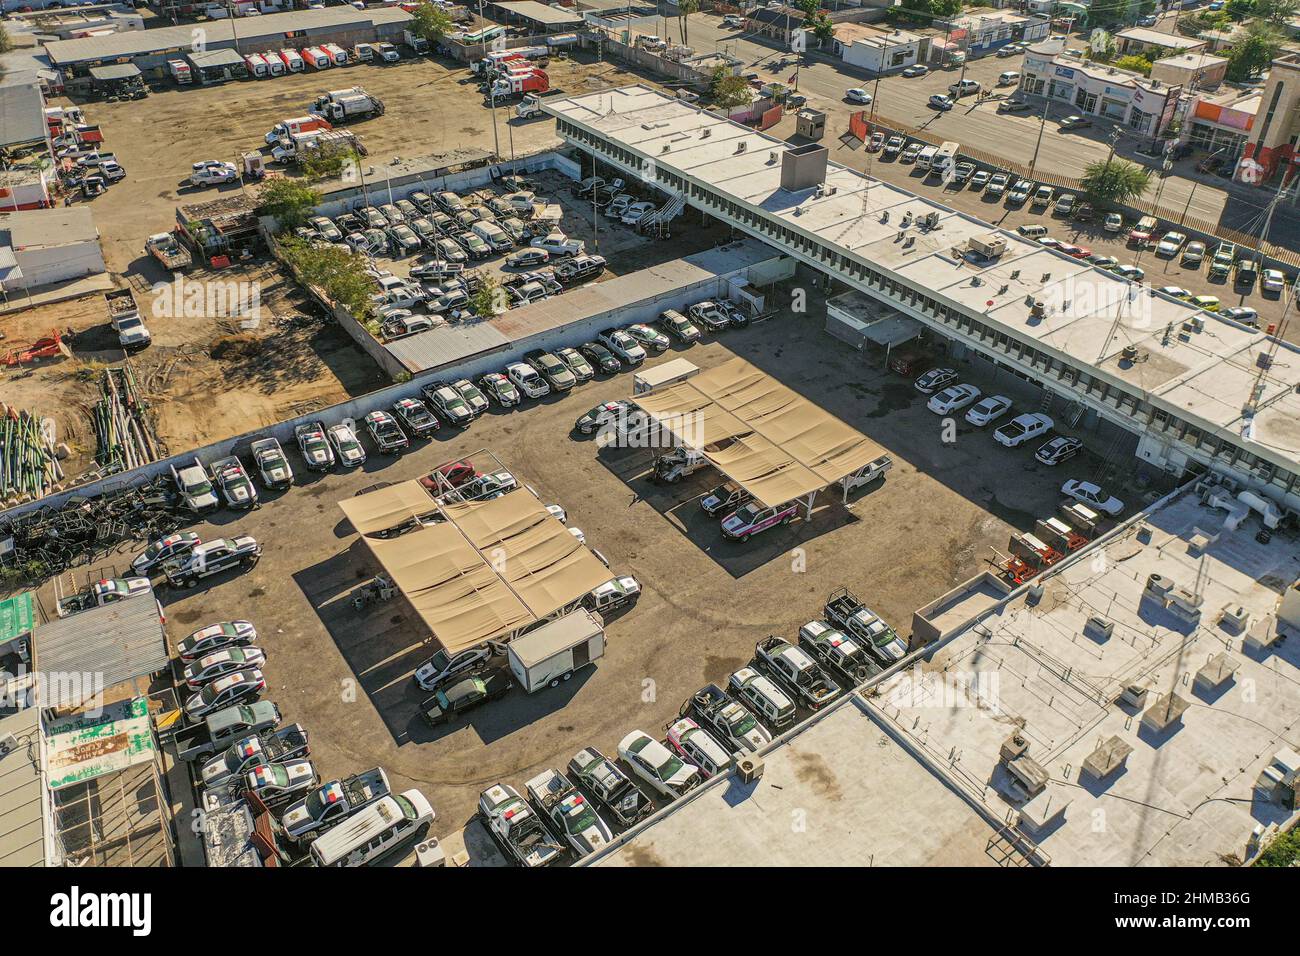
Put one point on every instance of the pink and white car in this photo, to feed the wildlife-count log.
(754, 517)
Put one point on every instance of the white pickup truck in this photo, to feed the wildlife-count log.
(195, 487)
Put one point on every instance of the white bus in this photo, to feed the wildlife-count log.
(374, 831)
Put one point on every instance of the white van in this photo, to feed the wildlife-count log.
(374, 831)
(1033, 230)
(762, 697)
(1009, 78)
(697, 746)
(926, 157)
(493, 235)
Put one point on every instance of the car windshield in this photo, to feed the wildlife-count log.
(578, 815)
(742, 722)
(669, 768)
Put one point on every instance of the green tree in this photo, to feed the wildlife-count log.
(823, 29)
(729, 91)
(1283, 851)
(489, 300)
(1277, 12)
(1251, 55)
(1114, 182)
(1101, 46)
(339, 272)
(290, 201)
(430, 22)
(329, 165)
(1194, 24)
(1134, 64)
(1239, 10)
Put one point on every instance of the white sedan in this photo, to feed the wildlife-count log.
(1093, 496)
(666, 773)
(1170, 243)
(988, 410)
(1272, 280)
(858, 95)
(953, 398)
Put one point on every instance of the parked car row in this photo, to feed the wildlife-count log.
(948, 396)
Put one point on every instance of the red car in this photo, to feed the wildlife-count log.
(455, 474)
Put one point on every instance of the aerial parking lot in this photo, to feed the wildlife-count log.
(939, 515)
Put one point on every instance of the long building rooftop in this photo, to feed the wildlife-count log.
(1198, 365)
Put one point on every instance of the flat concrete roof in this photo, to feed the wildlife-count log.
(1157, 38)
(1203, 371)
(1186, 796)
(835, 792)
(48, 228)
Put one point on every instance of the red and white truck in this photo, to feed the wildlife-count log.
(316, 58)
(336, 53)
(180, 72)
(519, 84)
(257, 66)
(274, 63)
(299, 124)
(292, 60)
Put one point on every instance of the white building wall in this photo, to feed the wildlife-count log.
(42, 267)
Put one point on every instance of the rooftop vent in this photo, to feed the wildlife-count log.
(741, 147)
(771, 158)
(706, 133)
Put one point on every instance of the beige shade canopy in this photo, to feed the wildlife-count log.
(766, 437)
(388, 507)
(490, 568)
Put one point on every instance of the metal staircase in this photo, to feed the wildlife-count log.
(658, 222)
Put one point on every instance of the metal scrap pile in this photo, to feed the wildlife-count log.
(123, 437)
(50, 539)
(29, 460)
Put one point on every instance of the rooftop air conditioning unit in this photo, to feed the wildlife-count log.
(1159, 584)
(1099, 627)
(749, 768)
(771, 158)
(741, 147)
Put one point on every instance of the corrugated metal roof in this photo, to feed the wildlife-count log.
(269, 29)
(446, 344)
(597, 298)
(214, 58)
(539, 12)
(22, 821)
(118, 641)
(22, 119)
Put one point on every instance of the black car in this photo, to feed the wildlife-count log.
(935, 379)
(602, 358)
(465, 695)
(1058, 450)
(415, 416)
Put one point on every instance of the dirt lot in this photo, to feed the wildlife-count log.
(293, 361)
(347, 675)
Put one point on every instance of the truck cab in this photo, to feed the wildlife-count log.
(195, 487)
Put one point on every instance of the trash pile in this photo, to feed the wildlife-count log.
(50, 539)
(29, 456)
(123, 437)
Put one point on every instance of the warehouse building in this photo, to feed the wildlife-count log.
(1184, 390)
(151, 49)
(43, 247)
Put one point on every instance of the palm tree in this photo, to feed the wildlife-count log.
(684, 9)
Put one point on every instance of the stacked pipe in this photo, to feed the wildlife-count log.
(122, 437)
(29, 456)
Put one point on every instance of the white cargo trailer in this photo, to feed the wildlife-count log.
(555, 651)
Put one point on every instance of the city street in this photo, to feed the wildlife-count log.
(979, 126)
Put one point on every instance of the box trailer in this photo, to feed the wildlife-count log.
(556, 650)
(669, 373)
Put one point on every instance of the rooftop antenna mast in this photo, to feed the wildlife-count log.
(1265, 361)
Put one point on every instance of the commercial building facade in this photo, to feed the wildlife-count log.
(1140, 104)
(1272, 142)
(879, 51)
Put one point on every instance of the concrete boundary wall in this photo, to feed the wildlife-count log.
(357, 407)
